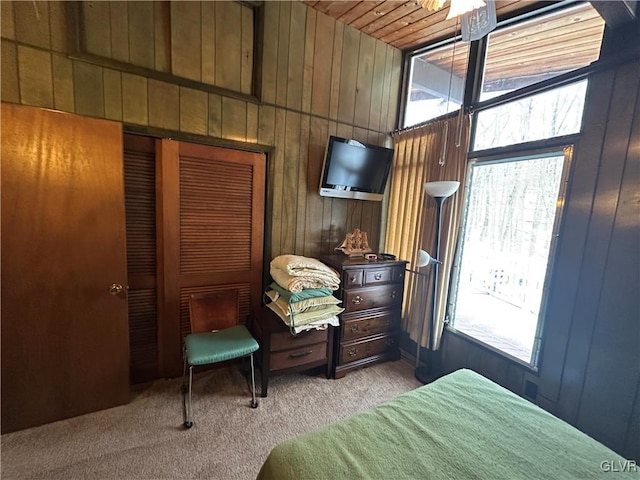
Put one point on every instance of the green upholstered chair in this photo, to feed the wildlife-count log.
(215, 337)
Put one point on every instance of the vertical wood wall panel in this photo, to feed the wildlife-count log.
(348, 75)
(596, 247)
(112, 94)
(7, 25)
(234, 119)
(276, 185)
(613, 356)
(301, 201)
(334, 97)
(10, 88)
(164, 105)
(161, 36)
(186, 47)
(134, 99)
(318, 133)
(322, 57)
(228, 29)
(290, 169)
(62, 71)
(94, 16)
(34, 73)
(208, 22)
(33, 29)
(296, 56)
(119, 25)
(215, 115)
(141, 34)
(247, 54)
(89, 91)
(564, 286)
(282, 60)
(364, 81)
(309, 48)
(194, 111)
(270, 42)
(58, 26)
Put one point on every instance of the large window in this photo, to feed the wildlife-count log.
(505, 250)
(522, 135)
(436, 83)
(528, 52)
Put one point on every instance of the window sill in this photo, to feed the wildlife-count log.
(484, 346)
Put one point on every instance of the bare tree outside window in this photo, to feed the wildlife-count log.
(505, 251)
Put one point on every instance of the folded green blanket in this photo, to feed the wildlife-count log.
(293, 297)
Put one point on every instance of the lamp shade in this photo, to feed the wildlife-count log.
(425, 259)
(441, 189)
(460, 7)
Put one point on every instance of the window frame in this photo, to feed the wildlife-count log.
(471, 104)
(565, 145)
(475, 68)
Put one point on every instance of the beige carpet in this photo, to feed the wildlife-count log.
(229, 440)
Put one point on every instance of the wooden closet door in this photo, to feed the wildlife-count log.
(64, 336)
(210, 233)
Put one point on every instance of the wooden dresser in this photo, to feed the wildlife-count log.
(371, 294)
(281, 352)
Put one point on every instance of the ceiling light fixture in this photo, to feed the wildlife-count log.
(460, 7)
(457, 8)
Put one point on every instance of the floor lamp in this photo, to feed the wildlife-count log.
(439, 191)
(423, 260)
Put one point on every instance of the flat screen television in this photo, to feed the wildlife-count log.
(355, 170)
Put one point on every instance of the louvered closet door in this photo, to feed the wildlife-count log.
(212, 218)
(140, 201)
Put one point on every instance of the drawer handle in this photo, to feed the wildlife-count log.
(353, 279)
(301, 354)
(353, 352)
(355, 329)
(378, 276)
(357, 300)
(394, 294)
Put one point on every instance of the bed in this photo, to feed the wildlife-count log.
(461, 426)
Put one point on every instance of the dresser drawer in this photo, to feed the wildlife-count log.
(372, 297)
(374, 276)
(398, 274)
(353, 278)
(356, 328)
(284, 340)
(359, 350)
(298, 356)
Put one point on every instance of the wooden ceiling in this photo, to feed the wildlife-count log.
(405, 24)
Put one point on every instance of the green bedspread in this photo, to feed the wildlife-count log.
(461, 426)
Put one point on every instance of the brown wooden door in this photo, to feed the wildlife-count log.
(64, 336)
(210, 233)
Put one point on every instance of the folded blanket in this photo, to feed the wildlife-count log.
(309, 305)
(297, 284)
(294, 297)
(299, 266)
(295, 273)
(303, 318)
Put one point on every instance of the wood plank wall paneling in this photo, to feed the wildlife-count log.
(312, 65)
(310, 72)
(589, 372)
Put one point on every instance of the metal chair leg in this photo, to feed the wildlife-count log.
(186, 413)
(187, 406)
(254, 402)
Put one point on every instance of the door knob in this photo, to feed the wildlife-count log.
(115, 289)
